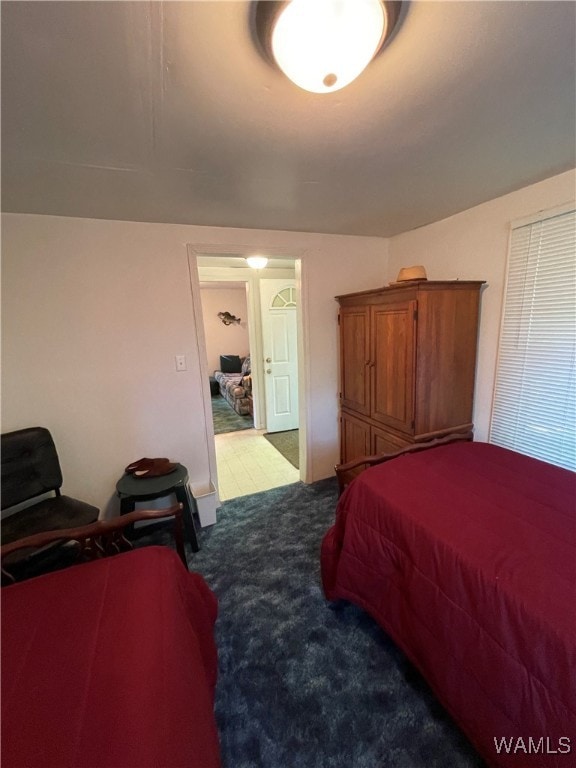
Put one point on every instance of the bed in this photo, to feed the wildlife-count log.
(110, 664)
(465, 554)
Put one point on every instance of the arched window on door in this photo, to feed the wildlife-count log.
(284, 299)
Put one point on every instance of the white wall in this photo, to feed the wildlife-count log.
(224, 339)
(94, 312)
(474, 245)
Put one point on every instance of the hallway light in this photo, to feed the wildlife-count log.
(257, 262)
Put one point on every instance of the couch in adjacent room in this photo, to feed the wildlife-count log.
(235, 382)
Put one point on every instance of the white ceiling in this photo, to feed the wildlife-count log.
(168, 112)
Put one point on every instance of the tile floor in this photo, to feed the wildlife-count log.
(248, 463)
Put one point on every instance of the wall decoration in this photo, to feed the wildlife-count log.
(228, 319)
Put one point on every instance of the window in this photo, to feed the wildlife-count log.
(534, 408)
(285, 299)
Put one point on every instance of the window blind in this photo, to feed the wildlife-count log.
(534, 407)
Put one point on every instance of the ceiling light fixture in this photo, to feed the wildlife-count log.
(323, 45)
(257, 262)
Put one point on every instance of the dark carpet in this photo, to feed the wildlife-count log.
(226, 419)
(287, 444)
(303, 683)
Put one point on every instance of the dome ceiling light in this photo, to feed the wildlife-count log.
(323, 45)
(257, 262)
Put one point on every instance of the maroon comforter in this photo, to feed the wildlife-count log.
(466, 555)
(110, 664)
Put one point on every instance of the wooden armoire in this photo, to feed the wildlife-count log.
(407, 364)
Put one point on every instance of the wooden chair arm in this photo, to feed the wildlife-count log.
(345, 472)
(99, 539)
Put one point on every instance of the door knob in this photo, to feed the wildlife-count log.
(269, 370)
(268, 359)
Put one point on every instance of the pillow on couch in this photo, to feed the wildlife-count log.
(246, 366)
(230, 364)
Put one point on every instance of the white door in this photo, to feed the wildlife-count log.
(279, 336)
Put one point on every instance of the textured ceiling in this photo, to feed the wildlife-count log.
(168, 112)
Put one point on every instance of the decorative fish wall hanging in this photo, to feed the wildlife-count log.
(227, 318)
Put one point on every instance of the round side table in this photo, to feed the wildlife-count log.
(131, 489)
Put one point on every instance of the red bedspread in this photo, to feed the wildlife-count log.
(466, 555)
(110, 664)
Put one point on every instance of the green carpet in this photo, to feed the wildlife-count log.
(226, 419)
(287, 444)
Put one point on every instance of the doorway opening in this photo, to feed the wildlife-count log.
(260, 448)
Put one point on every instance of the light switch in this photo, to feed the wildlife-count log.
(180, 362)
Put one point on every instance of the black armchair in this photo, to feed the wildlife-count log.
(31, 469)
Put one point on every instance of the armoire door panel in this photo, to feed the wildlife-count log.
(384, 442)
(392, 377)
(354, 438)
(354, 358)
